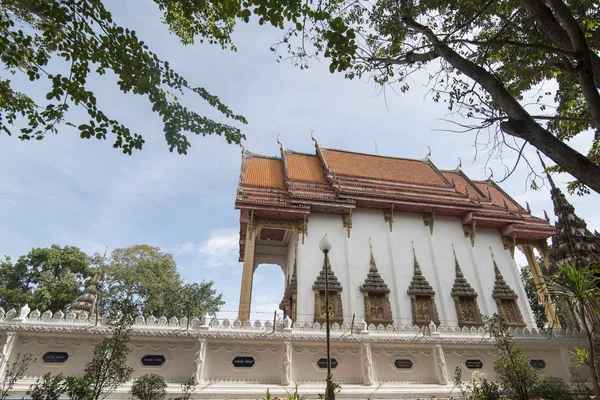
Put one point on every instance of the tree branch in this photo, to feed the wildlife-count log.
(408, 58)
(554, 30)
(520, 123)
(584, 67)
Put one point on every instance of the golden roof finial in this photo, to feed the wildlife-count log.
(496, 269)
(373, 265)
(459, 163)
(417, 267)
(456, 264)
(278, 142)
(312, 136)
(428, 154)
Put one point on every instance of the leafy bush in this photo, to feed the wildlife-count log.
(551, 387)
(49, 388)
(149, 387)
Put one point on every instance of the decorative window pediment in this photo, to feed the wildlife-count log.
(506, 299)
(376, 296)
(465, 299)
(422, 297)
(290, 296)
(336, 313)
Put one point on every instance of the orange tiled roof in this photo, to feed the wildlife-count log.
(264, 172)
(304, 167)
(460, 182)
(498, 197)
(382, 168)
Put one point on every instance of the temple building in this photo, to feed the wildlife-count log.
(419, 257)
(411, 243)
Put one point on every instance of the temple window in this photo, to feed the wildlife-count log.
(465, 299)
(506, 300)
(376, 296)
(336, 313)
(422, 298)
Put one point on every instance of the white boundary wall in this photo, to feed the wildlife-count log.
(206, 349)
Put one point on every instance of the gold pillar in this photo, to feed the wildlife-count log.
(538, 278)
(247, 272)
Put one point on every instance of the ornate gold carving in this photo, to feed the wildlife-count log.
(509, 244)
(336, 313)
(506, 299)
(289, 303)
(538, 278)
(469, 231)
(347, 221)
(388, 216)
(378, 309)
(465, 298)
(428, 220)
(422, 297)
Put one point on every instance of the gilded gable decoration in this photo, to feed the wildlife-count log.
(428, 220)
(336, 313)
(469, 231)
(347, 221)
(506, 299)
(465, 298)
(388, 216)
(509, 243)
(290, 297)
(422, 297)
(376, 296)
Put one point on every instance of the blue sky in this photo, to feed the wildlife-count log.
(68, 191)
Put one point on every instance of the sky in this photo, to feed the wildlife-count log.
(69, 191)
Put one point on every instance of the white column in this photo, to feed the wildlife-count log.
(286, 376)
(368, 376)
(439, 298)
(6, 351)
(481, 298)
(395, 293)
(200, 361)
(440, 361)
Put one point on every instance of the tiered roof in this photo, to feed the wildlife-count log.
(337, 181)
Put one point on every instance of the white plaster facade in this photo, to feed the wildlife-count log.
(284, 354)
(393, 252)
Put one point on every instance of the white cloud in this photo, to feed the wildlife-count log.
(220, 249)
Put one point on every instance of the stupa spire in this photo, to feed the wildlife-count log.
(573, 242)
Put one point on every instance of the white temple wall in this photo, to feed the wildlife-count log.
(393, 252)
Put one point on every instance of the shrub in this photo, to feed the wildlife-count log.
(149, 387)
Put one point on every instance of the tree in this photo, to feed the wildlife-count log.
(108, 368)
(537, 307)
(148, 278)
(46, 278)
(575, 290)
(149, 387)
(80, 39)
(516, 376)
(14, 372)
(491, 61)
(51, 387)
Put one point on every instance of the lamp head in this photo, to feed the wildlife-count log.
(325, 244)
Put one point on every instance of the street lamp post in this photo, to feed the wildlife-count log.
(325, 247)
